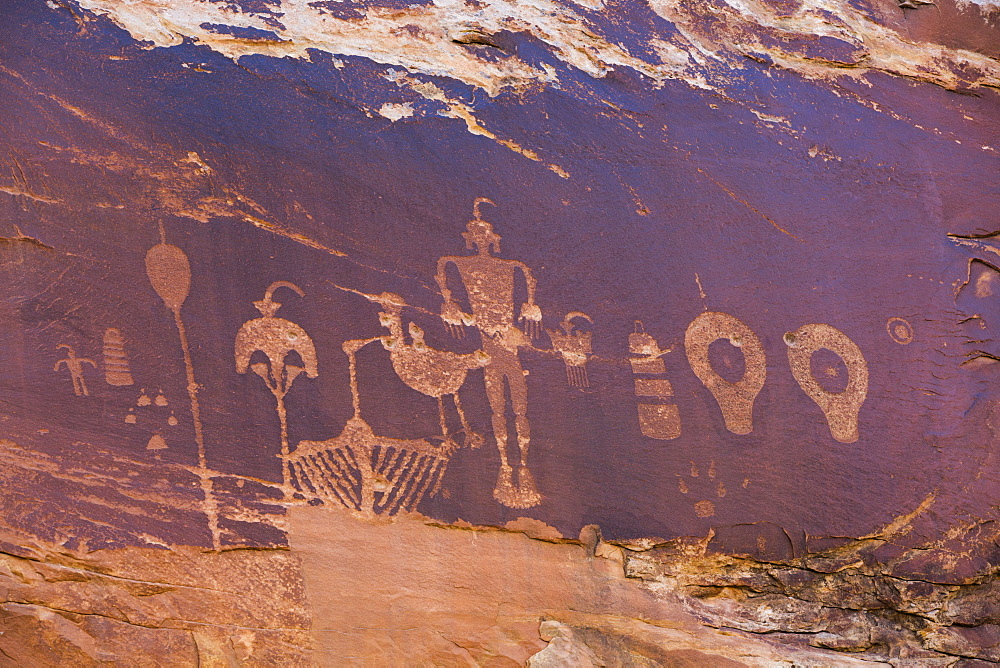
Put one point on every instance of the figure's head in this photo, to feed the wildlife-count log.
(267, 306)
(392, 308)
(417, 334)
(479, 234)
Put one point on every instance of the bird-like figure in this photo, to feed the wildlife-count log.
(427, 370)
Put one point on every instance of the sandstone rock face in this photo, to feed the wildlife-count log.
(476, 332)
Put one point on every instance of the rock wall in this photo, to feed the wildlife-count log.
(459, 332)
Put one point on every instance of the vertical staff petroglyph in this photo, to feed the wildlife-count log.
(169, 273)
(276, 338)
(489, 283)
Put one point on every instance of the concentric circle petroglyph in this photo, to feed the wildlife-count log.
(899, 330)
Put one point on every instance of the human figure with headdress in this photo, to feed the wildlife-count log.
(489, 282)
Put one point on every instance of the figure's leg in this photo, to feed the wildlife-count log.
(472, 439)
(444, 423)
(519, 402)
(528, 495)
(504, 491)
(495, 392)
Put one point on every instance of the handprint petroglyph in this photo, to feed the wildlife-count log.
(574, 347)
(704, 482)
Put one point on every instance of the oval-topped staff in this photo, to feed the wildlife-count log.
(169, 273)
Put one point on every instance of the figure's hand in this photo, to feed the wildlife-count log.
(531, 316)
(454, 319)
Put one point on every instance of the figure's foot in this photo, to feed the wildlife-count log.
(524, 495)
(504, 492)
(474, 439)
(527, 492)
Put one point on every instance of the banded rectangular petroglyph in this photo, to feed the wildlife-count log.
(653, 387)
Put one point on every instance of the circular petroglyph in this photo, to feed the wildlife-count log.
(899, 330)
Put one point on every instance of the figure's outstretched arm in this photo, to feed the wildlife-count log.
(442, 277)
(531, 314)
(530, 280)
(451, 313)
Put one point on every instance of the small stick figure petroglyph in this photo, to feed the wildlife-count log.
(75, 366)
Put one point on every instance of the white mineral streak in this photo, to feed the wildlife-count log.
(880, 48)
(986, 6)
(461, 111)
(445, 39)
(395, 111)
(421, 38)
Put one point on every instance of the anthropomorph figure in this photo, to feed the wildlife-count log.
(75, 366)
(276, 338)
(489, 283)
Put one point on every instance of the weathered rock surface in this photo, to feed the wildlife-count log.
(356, 591)
(477, 332)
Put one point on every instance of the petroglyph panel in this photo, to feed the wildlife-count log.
(373, 260)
